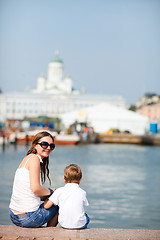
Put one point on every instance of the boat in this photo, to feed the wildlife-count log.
(130, 138)
(66, 139)
(20, 137)
(27, 137)
(120, 138)
(3, 140)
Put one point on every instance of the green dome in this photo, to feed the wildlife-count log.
(57, 58)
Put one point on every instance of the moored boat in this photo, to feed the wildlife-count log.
(27, 137)
(3, 140)
(130, 138)
(66, 139)
(120, 138)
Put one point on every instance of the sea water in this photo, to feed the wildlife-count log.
(122, 181)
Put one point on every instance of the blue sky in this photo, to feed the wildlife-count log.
(108, 46)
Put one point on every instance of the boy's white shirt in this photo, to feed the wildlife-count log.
(71, 200)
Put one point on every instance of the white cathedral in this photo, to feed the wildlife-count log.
(55, 84)
(53, 97)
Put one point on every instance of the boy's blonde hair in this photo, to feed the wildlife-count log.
(72, 173)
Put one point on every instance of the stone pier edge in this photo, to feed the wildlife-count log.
(12, 232)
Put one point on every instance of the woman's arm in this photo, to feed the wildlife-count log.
(34, 174)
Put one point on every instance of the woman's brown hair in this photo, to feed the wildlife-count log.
(44, 165)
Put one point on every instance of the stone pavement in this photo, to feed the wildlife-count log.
(11, 232)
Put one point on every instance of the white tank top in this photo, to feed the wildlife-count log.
(23, 199)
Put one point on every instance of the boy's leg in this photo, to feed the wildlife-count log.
(53, 222)
(51, 215)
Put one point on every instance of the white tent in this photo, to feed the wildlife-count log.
(104, 116)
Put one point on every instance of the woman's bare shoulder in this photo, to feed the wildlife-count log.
(30, 160)
(33, 158)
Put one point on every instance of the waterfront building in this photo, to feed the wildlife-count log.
(147, 99)
(149, 105)
(152, 111)
(54, 96)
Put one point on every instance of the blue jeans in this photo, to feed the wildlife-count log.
(88, 220)
(34, 219)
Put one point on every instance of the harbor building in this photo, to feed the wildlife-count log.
(53, 96)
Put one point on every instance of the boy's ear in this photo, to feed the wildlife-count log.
(64, 179)
(79, 181)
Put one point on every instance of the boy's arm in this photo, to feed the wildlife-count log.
(52, 200)
(48, 203)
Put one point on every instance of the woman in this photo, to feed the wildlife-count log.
(25, 206)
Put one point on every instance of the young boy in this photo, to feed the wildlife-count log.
(71, 200)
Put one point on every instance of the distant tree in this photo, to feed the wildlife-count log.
(150, 95)
(132, 108)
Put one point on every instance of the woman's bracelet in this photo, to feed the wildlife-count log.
(51, 191)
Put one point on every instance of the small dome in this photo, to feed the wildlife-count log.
(41, 75)
(56, 57)
(68, 76)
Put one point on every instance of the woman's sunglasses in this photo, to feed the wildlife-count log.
(45, 145)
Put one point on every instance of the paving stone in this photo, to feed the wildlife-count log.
(11, 232)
